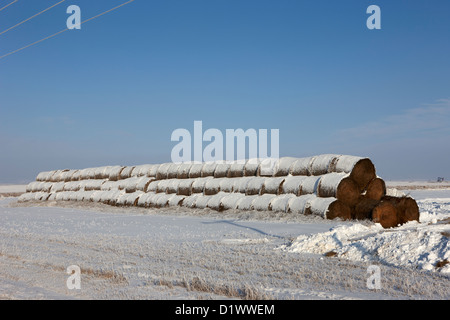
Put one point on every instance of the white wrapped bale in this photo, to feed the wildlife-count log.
(281, 203)
(262, 203)
(293, 184)
(196, 170)
(208, 169)
(273, 185)
(230, 201)
(222, 169)
(185, 187)
(255, 186)
(283, 165)
(183, 170)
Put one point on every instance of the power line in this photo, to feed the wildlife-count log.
(8, 5)
(64, 30)
(31, 17)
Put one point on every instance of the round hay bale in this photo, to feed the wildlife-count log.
(212, 186)
(143, 182)
(162, 186)
(361, 170)
(281, 203)
(376, 189)
(162, 201)
(43, 176)
(185, 187)
(266, 167)
(410, 210)
(172, 171)
(292, 185)
(84, 174)
(153, 170)
(385, 213)
(363, 209)
(283, 166)
(175, 200)
(141, 170)
(348, 192)
(143, 200)
(189, 202)
(221, 170)
(201, 202)
(76, 175)
(251, 167)
(300, 167)
(71, 186)
(215, 201)
(208, 169)
(299, 205)
(228, 184)
(236, 169)
(338, 209)
(273, 185)
(309, 185)
(162, 171)
(255, 186)
(262, 203)
(198, 186)
(113, 173)
(196, 170)
(245, 203)
(152, 186)
(126, 172)
(230, 201)
(172, 187)
(322, 164)
(107, 186)
(59, 187)
(183, 170)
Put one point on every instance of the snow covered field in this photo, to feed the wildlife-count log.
(134, 253)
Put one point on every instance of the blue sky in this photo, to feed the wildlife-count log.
(113, 92)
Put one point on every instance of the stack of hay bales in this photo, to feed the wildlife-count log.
(329, 185)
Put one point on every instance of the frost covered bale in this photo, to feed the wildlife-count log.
(172, 171)
(59, 187)
(376, 189)
(298, 205)
(185, 187)
(361, 170)
(309, 185)
(208, 169)
(152, 171)
(57, 176)
(245, 203)
(363, 209)
(215, 201)
(189, 202)
(406, 207)
(293, 184)
(162, 171)
(113, 173)
(142, 170)
(153, 186)
(282, 166)
(255, 185)
(183, 170)
(340, 186)
(336, 209)
(322, 164)
(228, 185)
(172, 186)
(175, 200)
(162, 186)
(212, 186)
(196, 170)
(126, 172)
(92, 185)
(273, 185)
(241, 184)
(222, 169)
(262, 202)
(281, 203)
(301, 167)
(44, 176)
(236, 169)
(251, 167)
(198, 186)
(230, 201)
(72, 186)
(143, 200)
(143, 182)
(266, 167)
